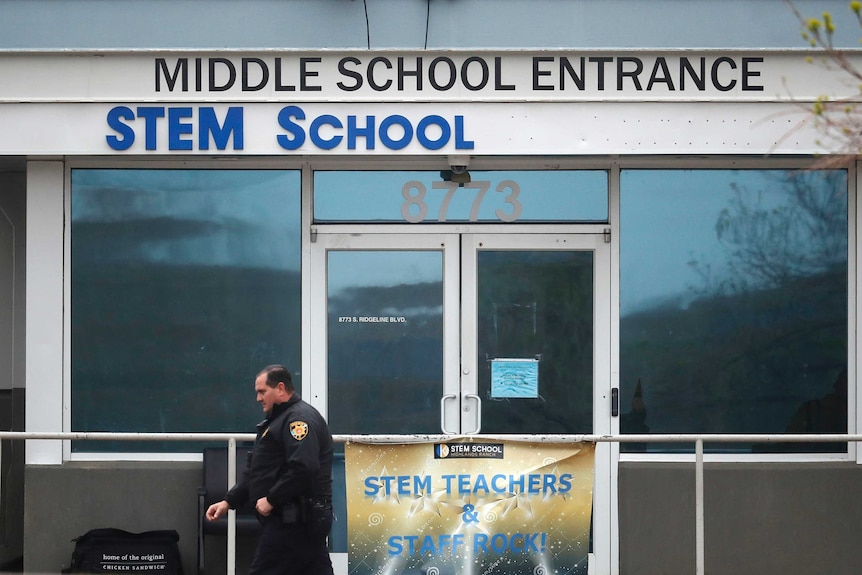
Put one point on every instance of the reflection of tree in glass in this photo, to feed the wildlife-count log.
(787, 287)
(765, 333)
(805, 236)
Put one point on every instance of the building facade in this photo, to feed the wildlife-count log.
(626, 200)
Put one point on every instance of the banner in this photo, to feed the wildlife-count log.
(469, 507)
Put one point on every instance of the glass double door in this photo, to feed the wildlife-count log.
(466, 334)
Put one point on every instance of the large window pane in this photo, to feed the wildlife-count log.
(184, 284)
(733, 303)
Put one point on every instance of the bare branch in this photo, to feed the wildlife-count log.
(838, 120)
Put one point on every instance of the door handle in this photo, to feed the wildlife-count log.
(478, 412)
(443, 413)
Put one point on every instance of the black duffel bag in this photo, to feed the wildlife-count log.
(109, 550)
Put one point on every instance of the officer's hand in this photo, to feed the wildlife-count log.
(263, 506)
(216, 510)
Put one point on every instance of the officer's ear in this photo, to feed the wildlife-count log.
(281, 387)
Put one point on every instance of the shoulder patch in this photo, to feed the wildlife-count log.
(298, 429)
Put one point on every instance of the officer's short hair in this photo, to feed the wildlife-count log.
(277, 373)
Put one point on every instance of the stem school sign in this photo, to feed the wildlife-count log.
(469, 507)
(383, 102)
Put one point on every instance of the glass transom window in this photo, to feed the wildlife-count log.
(470, 196)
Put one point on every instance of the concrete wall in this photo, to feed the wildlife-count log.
(136, 496)
(760, 519)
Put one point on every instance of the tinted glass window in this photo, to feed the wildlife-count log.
(385, 341)
(733, 303)
(536, 305)
(184, 284)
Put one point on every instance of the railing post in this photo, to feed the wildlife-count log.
(231, 515)
(698, 505)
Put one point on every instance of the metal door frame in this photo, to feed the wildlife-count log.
(604, 488)
(460, 344)
(448, 243)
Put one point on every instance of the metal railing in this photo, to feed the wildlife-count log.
(231, 439)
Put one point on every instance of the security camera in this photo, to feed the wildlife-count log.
(458, 169)
(457, 172)
(458, 164)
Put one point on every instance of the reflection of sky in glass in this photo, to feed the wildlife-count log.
(553, 195)
(668, 227)
(203, 217)
(389, 268)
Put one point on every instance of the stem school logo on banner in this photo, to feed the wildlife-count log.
(469, 507)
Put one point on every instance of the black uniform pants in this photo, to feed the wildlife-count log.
(291, 549)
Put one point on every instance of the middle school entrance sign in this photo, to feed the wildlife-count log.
(465, 506)
(485, 103)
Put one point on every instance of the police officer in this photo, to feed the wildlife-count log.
(289, 477)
